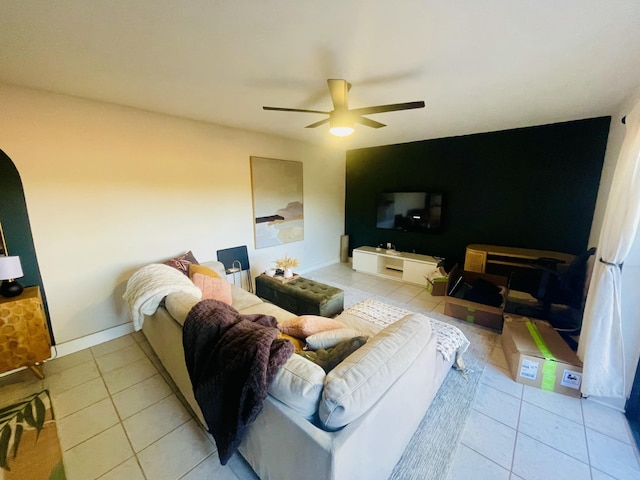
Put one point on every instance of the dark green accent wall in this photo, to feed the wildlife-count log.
(17, 229)
(531, 187)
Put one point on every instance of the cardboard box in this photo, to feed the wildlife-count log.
(473, 312)
(538, 356)
(437, 287)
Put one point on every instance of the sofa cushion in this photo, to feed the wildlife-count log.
(362, 378)
(178, 305)
(330, 338)
(299, 384)
(268, 309)
(305, 325)
(213, 288)
(241, 299)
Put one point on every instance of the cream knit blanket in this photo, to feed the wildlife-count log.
(148, 286)
(449, 339)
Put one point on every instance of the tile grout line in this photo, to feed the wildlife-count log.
(509, 470)
(518, 433)
(182, 402)
(484, 456)
(135, 455)
(586, 439)
(119, 418)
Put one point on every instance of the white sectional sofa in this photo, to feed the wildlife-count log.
(352, 423)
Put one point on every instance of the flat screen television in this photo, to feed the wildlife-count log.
(409, 211)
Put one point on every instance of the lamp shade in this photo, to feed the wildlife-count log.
(10, 267)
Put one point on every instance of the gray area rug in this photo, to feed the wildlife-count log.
(432, 448)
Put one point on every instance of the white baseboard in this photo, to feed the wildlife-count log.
(317, 266)
(92, 340)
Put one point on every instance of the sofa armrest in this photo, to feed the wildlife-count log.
(178, 305)
(364, 376)
(217, 267)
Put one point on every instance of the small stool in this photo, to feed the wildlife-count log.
(301, 295)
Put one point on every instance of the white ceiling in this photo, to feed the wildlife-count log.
(479, 65)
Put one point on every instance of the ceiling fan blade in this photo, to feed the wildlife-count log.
(368, 122)
(338, 90)
(317, 124)
(387, 108)
(282, 109)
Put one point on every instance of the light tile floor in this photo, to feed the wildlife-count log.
(120, 417)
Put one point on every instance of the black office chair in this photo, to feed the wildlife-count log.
(562, 293)
(236, 261)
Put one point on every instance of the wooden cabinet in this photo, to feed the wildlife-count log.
(408, 267)
(475, 260)
(24, 335)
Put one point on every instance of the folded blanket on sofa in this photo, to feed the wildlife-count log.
(232, 359)
(149, 285)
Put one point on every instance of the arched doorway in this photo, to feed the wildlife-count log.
(14, 219)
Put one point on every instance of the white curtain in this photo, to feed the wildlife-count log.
(601, 346)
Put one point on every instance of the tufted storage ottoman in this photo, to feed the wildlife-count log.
(301, 296)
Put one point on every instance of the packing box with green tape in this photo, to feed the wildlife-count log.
(437, 287)
(458, 305)
(538, 356)
(437, 282)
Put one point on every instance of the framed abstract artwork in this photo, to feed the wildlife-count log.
(278, 212)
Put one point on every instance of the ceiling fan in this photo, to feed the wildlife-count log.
(341, 119)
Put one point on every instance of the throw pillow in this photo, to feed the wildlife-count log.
(213, 288)
(331, 357)
(330, 338)
(305, 325)
(196, 268)
(297, 343)
(182, 262)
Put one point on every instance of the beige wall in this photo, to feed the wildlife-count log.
(109, 189)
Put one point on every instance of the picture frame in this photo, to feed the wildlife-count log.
(3, 245)
(277, 190)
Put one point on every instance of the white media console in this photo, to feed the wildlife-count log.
(408, 267)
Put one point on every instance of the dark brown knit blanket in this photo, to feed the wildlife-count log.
(231, 359)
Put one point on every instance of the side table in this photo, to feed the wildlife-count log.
(24, 334)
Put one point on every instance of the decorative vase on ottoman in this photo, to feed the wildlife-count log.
(288, 273)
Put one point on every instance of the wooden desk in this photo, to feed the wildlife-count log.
(477, 257)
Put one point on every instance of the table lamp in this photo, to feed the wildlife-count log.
(10, 269)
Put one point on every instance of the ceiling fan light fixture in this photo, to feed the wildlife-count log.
(341, 130)
(342, 119)
(340, 124)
